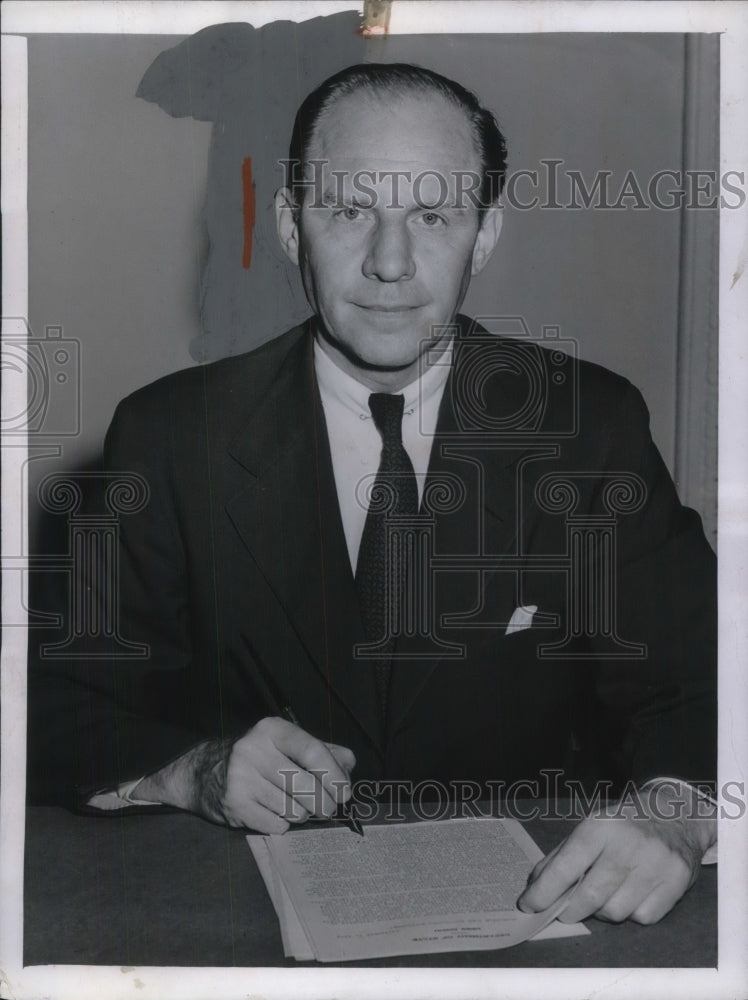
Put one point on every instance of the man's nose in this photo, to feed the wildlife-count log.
(389, 255)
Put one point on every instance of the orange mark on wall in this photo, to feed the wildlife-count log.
(248, 205)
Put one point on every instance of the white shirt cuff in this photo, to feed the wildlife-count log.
(710, 855)
(120, 798)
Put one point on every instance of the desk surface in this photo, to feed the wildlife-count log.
(171, 889)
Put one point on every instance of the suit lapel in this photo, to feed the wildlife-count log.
(487, 522)
(288, 517)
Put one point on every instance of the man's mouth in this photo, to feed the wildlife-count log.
(385, 308)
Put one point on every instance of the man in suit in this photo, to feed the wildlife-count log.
(261, 574)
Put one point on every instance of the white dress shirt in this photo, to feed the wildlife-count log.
(355, 442)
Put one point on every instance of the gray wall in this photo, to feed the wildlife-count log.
(116, 189)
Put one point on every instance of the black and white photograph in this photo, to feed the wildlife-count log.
(374, 500)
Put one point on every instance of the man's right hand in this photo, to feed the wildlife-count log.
(274, 775)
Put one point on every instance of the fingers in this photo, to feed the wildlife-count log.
(279, 774)
(650, 891)
(656, 905)
(604, 884)
(253, 795)
(614, 894)
(561, 869)
(343, 756)
(322, 779)
(258, 811)
(543, 863)
(628, 870)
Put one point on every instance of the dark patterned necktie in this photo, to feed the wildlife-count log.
(394, 495)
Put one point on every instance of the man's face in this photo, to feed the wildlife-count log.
(386, 242)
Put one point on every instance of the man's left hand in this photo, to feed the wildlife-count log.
(635, 860)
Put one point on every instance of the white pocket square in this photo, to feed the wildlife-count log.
(522, 618)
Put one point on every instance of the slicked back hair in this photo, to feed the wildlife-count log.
(398, 79)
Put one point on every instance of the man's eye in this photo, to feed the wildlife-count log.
(432, 220)
(349, 213)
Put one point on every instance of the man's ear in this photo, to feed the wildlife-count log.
(286, 220)
(488, 237)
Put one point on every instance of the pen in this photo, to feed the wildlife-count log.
(352, 821)
(346, 811)
(279, 706)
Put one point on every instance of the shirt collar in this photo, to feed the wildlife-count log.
(336, 384)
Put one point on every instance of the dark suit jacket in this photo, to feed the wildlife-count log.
(238, 564)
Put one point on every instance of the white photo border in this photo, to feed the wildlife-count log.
(730, 19)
